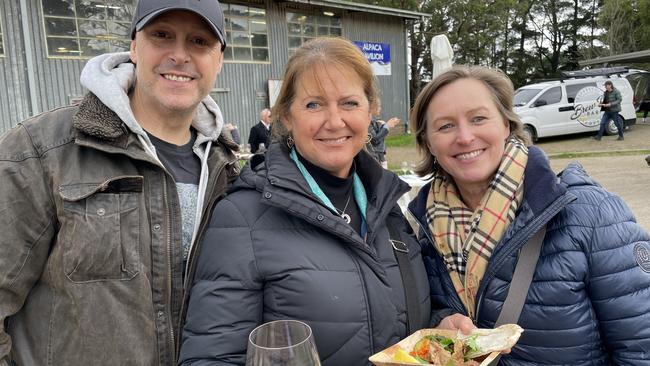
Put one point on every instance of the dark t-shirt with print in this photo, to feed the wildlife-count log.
(185, 166)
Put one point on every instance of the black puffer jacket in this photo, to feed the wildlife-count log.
(273, 251)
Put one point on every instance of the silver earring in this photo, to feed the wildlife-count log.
(368, 139)
(290, 142)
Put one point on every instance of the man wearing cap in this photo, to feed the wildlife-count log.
(611, 106)
(101, 203)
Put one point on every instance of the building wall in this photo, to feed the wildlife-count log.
(391, 30)
(247, 83)
(14, 97)
(56, 80)
(241, 89)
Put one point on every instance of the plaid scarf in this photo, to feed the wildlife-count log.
(465, 238)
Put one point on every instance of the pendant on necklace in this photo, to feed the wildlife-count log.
(346, 217)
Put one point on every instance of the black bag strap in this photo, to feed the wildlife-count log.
(521, 279)
(401, 251)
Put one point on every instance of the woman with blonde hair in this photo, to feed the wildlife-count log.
(493, 198)
(306, 234)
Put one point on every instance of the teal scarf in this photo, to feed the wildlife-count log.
(359, 191)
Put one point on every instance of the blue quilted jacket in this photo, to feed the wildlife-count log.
(589, 302)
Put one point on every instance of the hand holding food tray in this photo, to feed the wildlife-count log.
(449, 347)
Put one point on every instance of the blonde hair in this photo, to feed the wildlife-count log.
(502, 93)
(309, 58)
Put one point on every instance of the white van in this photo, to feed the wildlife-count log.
(570, 105)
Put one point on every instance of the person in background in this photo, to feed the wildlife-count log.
(233, 131)
(101, 202)
(610, 106)
(307, 233)
(589, 300)
(378, 130)
(644, 106)
(260, 133)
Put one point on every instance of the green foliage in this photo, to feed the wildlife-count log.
(621, 22)
(643, 31)
(400, 140)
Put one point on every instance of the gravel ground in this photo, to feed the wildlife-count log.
(626, 175)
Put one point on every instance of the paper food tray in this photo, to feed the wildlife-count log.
(385, 357)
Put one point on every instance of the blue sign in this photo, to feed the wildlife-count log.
(378, 54)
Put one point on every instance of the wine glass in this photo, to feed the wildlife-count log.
(282, 343)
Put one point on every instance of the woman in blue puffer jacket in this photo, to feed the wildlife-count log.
(589, 300)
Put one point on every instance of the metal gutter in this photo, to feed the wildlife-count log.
(639, 56)
(365, 8)
(29, 59)
(407, 66)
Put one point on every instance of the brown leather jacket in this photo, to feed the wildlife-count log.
(90, 241)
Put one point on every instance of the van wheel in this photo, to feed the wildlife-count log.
(530, 131)
(611, 129)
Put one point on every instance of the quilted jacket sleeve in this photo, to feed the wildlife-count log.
(439, 309)
(225, 302)
(26, 223)
(619, 281)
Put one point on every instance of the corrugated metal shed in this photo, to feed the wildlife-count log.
(394, 88)
(241, 89)
(14, 96)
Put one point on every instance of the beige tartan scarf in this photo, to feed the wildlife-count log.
(466, 239)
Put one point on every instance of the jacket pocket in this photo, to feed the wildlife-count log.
(100, 229)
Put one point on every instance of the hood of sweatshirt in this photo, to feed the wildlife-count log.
(110, 77)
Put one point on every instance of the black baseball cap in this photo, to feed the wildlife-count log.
(209, 10)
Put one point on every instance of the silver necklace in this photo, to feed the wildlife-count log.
(344, 215)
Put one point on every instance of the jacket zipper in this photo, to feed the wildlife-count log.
(169, 265)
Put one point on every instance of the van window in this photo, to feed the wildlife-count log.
(572, 90)
(523, 96)
(552, 96)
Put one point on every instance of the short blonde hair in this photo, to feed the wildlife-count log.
(502, 92)
(311, 56)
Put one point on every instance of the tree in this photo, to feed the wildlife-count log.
(642, 33)
(591, 49)
(521, 70)
(621, 22)
(580, 18)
